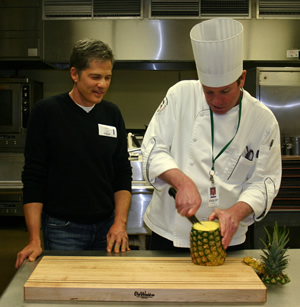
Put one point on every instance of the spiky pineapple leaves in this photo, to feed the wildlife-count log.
(274, 258)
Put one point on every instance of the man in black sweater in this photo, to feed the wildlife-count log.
(77, 177)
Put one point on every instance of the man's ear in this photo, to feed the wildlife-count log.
(74, 74)
(243, 78)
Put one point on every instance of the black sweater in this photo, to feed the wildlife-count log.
(69, 167)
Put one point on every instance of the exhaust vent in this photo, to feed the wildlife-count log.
(278, 9)
(90, 9)
(175, 8)
(200, 8)
(66, 9)
(108, 8)
(229, 8)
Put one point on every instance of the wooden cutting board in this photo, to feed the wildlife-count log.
(155, 279)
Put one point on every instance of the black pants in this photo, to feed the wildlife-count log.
(160, 243)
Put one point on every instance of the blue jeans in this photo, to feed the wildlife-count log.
(65, 235)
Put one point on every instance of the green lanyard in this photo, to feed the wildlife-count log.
(212, 171)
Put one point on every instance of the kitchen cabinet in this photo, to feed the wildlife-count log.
(21, 30)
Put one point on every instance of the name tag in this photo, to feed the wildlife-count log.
(213, 197)
(109, 131)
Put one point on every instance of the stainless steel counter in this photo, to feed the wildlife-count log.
(287, 295)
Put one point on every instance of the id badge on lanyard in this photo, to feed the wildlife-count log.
(213, 190)
(213, 196)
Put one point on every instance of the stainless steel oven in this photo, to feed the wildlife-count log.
(17, 97)
(11, 197)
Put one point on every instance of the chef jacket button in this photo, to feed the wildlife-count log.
(194, 139)
(191, 163)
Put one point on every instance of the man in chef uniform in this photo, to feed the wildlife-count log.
(211, 133)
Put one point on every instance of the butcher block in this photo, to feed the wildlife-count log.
(155, 279)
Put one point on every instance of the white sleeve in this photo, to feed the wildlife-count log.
(264, 182)
(157, 142)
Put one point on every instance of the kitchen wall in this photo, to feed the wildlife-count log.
(137, 93)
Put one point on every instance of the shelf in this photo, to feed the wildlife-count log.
(288, 197)
(290, 158)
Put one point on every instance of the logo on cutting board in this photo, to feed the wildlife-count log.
(143, 294)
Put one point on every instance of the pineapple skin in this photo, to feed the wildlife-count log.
(256, 265)
(205, 245)
(275, 280)
(266, 278)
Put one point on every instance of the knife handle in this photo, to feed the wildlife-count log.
(193, 219)
(172, 192)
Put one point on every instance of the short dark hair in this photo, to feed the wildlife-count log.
(86, 50)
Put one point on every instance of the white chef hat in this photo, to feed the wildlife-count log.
(218, 51)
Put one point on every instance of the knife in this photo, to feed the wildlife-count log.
(193, 219)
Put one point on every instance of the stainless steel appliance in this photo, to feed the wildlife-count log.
(17, 97)
(11, 198)
(279, 88)
(141, 196)
(164, 26)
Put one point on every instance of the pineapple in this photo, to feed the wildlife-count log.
(206, 246)
(256, 265)
(273, 261)
(274, 258)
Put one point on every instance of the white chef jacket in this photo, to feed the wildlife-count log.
(179, 136)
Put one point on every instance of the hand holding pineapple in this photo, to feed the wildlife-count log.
(188, 201)
(229, 220)
(210, 239)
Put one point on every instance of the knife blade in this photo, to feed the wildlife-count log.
(193, 219)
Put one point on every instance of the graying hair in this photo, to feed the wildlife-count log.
(86, 50)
